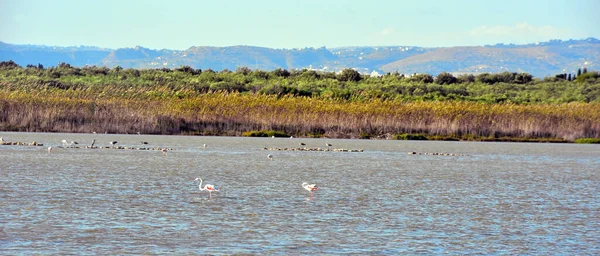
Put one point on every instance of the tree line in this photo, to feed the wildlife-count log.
(348, 84)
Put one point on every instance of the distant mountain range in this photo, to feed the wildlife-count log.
(539, 59)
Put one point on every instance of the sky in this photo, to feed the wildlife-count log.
(180, 24)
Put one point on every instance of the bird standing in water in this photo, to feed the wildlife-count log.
(210, 188)
(309, 187)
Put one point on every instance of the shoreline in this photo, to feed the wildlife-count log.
(426, 138)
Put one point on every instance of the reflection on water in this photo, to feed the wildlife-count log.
(501, 198)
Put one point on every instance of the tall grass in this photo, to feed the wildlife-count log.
(222, 113)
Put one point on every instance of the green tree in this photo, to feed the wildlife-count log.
(423, 78)
(8, 65)
(280, 72)
(243, 70)
(466, 78)
(445, 78)
(349, 75)
(189, 70)
(522, 78)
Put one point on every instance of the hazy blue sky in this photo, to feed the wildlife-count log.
(290, 24)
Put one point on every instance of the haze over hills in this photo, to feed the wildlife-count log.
(539, 59)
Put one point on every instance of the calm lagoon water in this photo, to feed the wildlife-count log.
(496, 198)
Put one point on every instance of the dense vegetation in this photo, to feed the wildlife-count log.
(299, 102)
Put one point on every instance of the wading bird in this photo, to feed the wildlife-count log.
(49, 149)
(144, 142)
(328, 145)
(210, 188)
(309, 187)
(164, 151)
(113, 143)
(270, 157)
(64, 143)
(93, 142)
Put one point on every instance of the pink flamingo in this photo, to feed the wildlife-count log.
(208, 187)
(309, 187)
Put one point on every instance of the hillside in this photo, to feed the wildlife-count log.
(540, 59)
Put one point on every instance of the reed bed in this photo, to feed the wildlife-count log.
(226, 113)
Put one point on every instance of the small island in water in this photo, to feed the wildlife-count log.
(300, 103)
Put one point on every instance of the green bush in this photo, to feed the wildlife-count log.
(409, 136)
(588, 140)
(269, 133)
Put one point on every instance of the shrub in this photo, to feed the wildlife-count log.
(269, 133)
(409, 136)
(588, 140)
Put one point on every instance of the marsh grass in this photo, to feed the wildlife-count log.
(588, 140)
(239, 114)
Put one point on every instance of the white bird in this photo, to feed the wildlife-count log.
(210, 188)
(113, 143)
(328, 145)
(164, 151)
(1, 139)
(64, 143)
(49, 149)
(270, 157)
(309, 187)
(204, 145)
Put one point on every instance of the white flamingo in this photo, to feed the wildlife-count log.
(309, 187)
(210, 188)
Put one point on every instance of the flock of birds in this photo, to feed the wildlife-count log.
(66, 143)
(207, 187)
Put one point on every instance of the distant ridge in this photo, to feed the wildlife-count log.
(539, 59)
